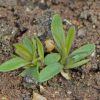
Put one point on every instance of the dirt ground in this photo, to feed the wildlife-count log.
(19, 18)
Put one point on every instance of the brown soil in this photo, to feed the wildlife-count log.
(26, 17)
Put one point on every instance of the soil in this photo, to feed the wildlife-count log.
(20, 18)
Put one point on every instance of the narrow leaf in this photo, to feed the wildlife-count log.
(40, 49)
(52, 58)
(81, 53)
(80, 56)
(13, 64)
(70, 39)
(50, 71)
(58, 32)
(88, 48)
(77, 64)
(34, 48)
(23, 52)
(28, 44)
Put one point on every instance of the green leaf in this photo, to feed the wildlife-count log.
(88, 48)
(40, 49)
(80, 56)
(28, 44)
(70, 39)
(83, 52)
(50, 71)
(34, 49)
(31, 72)
(58, 32)
(13, 64)
(52, 58)
(77, 64)
(23, 52)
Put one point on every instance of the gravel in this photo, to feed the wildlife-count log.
(81, 32)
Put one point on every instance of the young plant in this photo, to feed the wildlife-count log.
(63, 45)
(30, 54)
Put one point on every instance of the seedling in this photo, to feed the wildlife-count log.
(63, 45)
(30, 54)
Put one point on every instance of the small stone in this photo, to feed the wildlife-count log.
(37, 96)
(68, 99)
(69, 92)
(66, 75)
(42, 89)
(81, 33)
(28, 4)
(98, 50)
(4, 98)
(97, 78)
(84, 14)
(49, 45)
(94, 19)
(55, 2)
(82, 76)
(94, 67)
(94, 26)
(65, 22)
(97, 42)
(28, 9)
(57, 92)
(43, 5)
(93, 54)
(28, 79)
(76, 22)
(27, 98)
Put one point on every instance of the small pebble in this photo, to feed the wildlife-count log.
(76, 22)
(49, 44)
(93, 54)
(28, 79)
(94, 26)
(84, 14)
(68, 99)
(4, 98)
(42, 89)
(37, 96)
(81, 33)
(65, 21)
(94, 19)
(69, 92)
(43, 6)
(55, 2)
(27, 98)
(98, 50)
(66, 75)
(94, 67)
